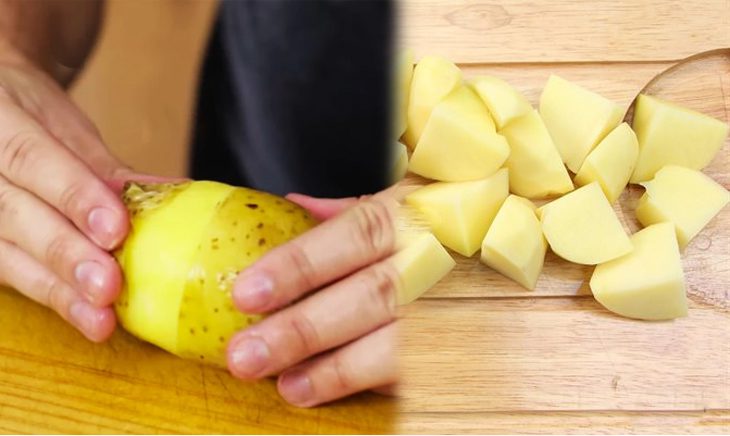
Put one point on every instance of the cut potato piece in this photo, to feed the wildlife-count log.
(421, 262)
(459, 142)
(400, 162)
(433, 79)
(403, 76)
(582, 227)
(647, 283)
(611, 162)
(460, 213)
(504, 102)
(535, 167)
(672, 135)
(683, 196)
(576, 118)
(514, 244)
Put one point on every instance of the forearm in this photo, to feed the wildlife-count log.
(56, 35)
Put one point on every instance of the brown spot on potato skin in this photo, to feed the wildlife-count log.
(262, 241)
(252, 205)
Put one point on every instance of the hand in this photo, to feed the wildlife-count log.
(339, 336)
(59, 213)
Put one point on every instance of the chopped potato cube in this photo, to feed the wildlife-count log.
(672, 135)
(420, 262)
(576, 118)
(583, 228)
(433, 79)
(514, 244)
(504, 102)
(535, 167)
(611, 162)
(459, 213)
(683, 196)
(459, 142)
(648, 282)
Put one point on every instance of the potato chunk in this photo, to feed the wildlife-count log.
(433, 79)
(459, 142)
(514, 244)
(504, 102)
(576, 118)
(420, 262)
(672, 135)
(611, 162)
(460, 213)
(583, 228)
(685, 197)
(647, 283)
(536, 170)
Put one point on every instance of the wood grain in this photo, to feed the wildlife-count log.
(603, 421)
(54, 381)
(479, 353)
(468, 31)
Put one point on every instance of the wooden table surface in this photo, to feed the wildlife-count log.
(479, 353)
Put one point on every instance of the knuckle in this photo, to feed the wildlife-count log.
(71, 200)
(302, 264)
(382, 287)
(306, 333)
(374, 227)
(19, 152)
(8, 200)
(54, 291)
(58, 250)
(344, 377)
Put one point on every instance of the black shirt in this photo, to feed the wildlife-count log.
(294, 97)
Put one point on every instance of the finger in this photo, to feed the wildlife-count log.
(367, 363)
(359, 236)
(35, 161)
(40, 231)
(322, 208)
(336, 315)
(20, 271)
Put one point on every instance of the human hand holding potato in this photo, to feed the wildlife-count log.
(338, 336)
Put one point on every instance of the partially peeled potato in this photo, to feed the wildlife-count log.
(187, 243)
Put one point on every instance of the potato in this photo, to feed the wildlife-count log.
(611, 162)
(421, 262)
(647, 283)
(399, 163)
(514, 244)
(536, 170)
(504, 102)
(459, 142)
(672, 135)
(433, 79)
(576, 118)
(582, 227)
(683, 196)
(460, 213)
(186, 245)
(403, 75)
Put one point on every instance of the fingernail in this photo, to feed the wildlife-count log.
(296, 388)
(83, 316)
(250, 357)
(90, 275)
(103, 224)
(253, 292)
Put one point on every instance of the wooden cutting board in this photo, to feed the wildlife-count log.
(54, 381)
(481, 354)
